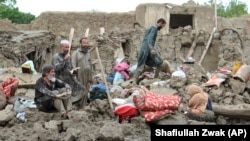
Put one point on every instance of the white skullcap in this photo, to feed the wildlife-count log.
(64, 42)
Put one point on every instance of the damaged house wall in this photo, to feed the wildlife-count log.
(20, 46)
(199, 17)
(174, 41)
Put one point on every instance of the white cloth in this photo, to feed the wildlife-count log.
(64, 42)
(179, 73)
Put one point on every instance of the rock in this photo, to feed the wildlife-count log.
(147, 82)
(127, 84)
(247, 97)
(221, 120)
(138, 122)
(135, 138)
(111, 131)
(177, 82)
(127, 129)
(78, 116)
(217, 35)
(186, 41)
(228, 100)
(187, 28)
(72, 134)
(194, 122)
(6, 115)
(237, 86)
(53, 124)
(238, 99)
(66, 124)
(21, 91)
(40, 131)
(185, 33)
(216, 95)
(175, 119)
(3, 101)
(30, 93)
(165, 91)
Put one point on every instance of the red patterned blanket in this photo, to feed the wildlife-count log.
(153, 106)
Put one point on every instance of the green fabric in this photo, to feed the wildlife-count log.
(31, 64)
(97, 93)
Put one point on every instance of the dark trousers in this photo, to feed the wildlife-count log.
(209, 105)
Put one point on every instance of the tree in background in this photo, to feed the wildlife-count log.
(235, 8)
(9, 11)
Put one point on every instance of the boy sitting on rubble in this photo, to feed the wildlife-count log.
(199, 105)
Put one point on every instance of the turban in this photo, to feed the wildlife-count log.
(64, 42)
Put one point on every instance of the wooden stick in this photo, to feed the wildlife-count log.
(102, 30)
(207, 47)
(71, 34)
(26, 85)
(104, 79)
(215, 14)
(191, 50)
(87, 33)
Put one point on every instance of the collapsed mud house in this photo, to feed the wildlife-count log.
(188, 25)
(189, 28)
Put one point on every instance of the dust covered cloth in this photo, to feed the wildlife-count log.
(62, 69)
(153, 106)
(214, 81)
(198, 100)
(9, 87)
(98, 91)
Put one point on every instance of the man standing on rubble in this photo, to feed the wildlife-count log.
(147, 51)
(51, 93)
(81, 58)
(63, 67)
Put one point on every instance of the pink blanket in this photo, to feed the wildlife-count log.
(122, 68)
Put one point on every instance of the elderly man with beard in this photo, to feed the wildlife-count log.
(63, 67)
(81, 58)
(147, 54)
(51, 93)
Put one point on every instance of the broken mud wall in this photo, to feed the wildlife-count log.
(148, 14)
(173, 46)
(26, 45)
(228, 45)
(61, 22)
(199, 17)
(6, 25)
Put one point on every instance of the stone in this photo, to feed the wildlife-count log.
(111, 131)
(53, 124)
(237, 86)
(176, 119)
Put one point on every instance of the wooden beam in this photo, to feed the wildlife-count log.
(104, 79)
(191, 50)
(102, 30)
(240, 111)
(87, 33)
(207, 46)
(215, 14)
(71, 34)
